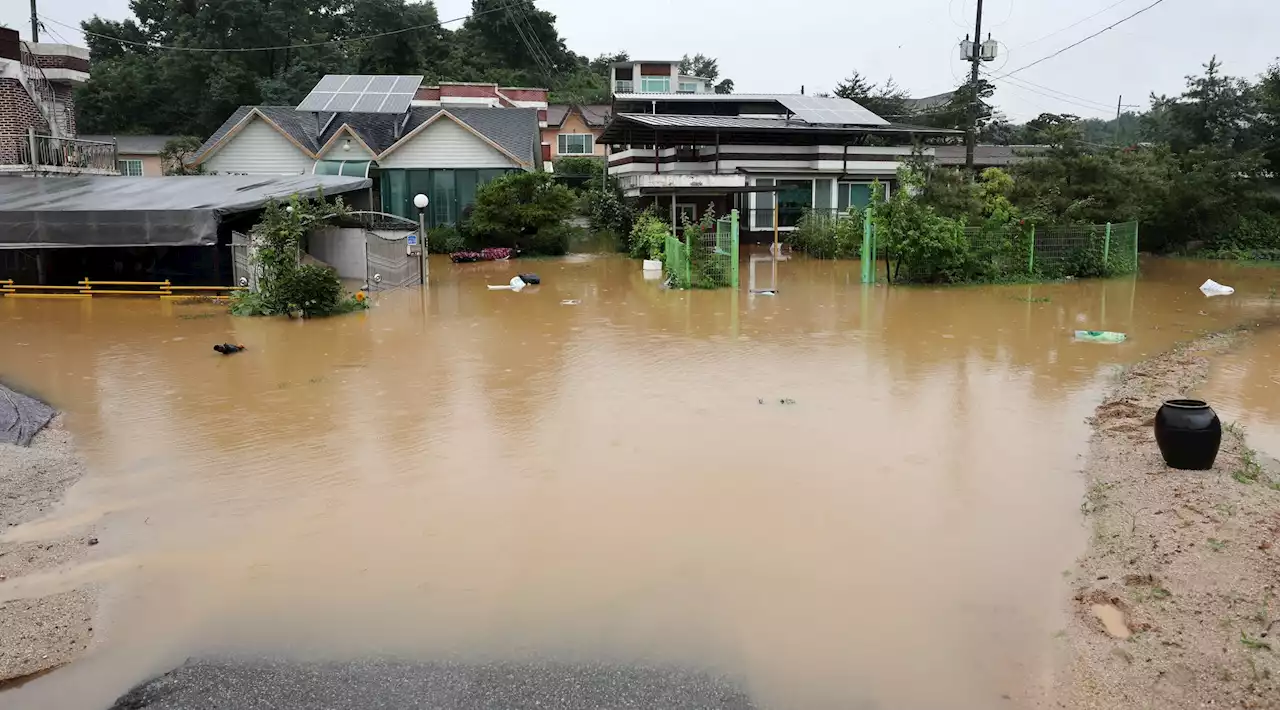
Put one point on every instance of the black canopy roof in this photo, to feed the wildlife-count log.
(103, 211)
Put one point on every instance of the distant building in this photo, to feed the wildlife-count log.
(986, 156)
(574, 130)
(137, 156)
(929, 103)
(37, 110)
(655, 77)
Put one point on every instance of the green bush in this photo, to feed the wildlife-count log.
(445, 239)
(312, 289)
(579, 166)
(608, 212)
(551, 240)
(524, 210)
(648, 237)
(823, 235)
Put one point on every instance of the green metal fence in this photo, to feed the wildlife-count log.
(1086, 250)
(704, 258)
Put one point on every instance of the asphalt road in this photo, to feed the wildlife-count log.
(376, 684)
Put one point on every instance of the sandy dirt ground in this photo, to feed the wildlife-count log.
(1175, 603)
(39, 634)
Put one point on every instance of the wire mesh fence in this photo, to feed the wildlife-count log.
(1016, 251)
(706, 256)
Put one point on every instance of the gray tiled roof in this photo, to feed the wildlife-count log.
(515, 129)
(595, 115)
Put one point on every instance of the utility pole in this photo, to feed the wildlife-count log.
(971, 135)
(1119, 103)
(35, 23)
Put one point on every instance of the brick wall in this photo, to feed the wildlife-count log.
(62, 61)
(66, 95)
(17, 114)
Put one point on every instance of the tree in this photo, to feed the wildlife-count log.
(701, 65)
(887, 101)
(177, 154)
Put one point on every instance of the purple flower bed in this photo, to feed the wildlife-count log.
(490, 254)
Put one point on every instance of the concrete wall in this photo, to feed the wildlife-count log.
(340, 247)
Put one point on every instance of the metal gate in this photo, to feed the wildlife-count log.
(389, 262)
(242, 266)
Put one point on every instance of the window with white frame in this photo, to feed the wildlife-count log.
(575, 144)
(130, 168)
(655, 84)
(688, 87)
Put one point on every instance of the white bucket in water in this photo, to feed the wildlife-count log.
(652, 265)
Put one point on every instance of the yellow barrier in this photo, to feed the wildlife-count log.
(87, 288)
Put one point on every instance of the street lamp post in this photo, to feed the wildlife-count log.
(420, 201)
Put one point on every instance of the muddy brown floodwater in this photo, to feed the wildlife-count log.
(476, 474)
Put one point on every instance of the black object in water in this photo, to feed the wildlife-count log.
(531, 279)
(228, 348)
(1188, 433)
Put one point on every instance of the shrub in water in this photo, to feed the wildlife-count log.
(648, 238)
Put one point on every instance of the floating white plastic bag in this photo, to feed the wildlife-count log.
(516, 284)
(1213, 288)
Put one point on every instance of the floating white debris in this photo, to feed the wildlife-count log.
(1213, 288)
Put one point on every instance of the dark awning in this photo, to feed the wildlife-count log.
(103, 211)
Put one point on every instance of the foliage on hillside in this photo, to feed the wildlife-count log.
(139, 89)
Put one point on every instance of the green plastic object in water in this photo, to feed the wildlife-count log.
(1100, 336)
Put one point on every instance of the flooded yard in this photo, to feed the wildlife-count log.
(843, 496)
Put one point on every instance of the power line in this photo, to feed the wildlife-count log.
(1052, 93)
(172, 48)
(1077, 23)
(1086, 39)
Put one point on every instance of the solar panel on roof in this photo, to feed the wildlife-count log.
(358, 93)
(820, 109)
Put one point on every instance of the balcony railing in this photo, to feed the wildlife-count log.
(36, 154)
(624, 87)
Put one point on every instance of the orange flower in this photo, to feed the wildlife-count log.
(359, 296)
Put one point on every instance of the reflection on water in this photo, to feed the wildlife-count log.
(1244, 387)
(487, 474)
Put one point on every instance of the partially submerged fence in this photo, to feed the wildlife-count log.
(88, 288)
(1035, 252)
(704, 258)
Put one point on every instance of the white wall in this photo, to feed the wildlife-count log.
(445, 144)
(357, 151)
(341, 248)
(259, 149)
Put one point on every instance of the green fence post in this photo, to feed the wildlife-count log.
(1135, 247)
(1106, 246)
(866, 243)
(734, 236)
(1031, 252)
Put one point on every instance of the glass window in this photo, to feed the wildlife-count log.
(487, 174)
(822, 194)
(686, 209)
(131, 168)
(655, 84)
(762, 214)
(575, 144)
(444, 197)
(688, 87)
(395, 191)
(856, 194)
(467, 182)
(793, 199)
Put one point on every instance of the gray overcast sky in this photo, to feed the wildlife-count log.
(778, 47)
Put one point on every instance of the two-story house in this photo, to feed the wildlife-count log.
(769, 156)
(652, 77)
(37, 110)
